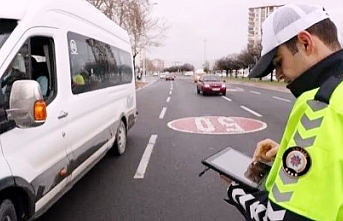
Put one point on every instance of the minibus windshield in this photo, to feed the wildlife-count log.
(6, 28)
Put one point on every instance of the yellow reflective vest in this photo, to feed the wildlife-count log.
(315, 190)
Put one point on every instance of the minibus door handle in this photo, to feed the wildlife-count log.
(63, 114)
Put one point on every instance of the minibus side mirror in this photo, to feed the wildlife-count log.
(27, 107)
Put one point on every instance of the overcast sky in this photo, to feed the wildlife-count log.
(213, 29)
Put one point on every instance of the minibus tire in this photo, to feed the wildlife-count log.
(7, 211)
(119, 145)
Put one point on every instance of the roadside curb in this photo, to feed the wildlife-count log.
(140, 84)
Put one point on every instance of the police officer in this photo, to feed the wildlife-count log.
(300, 42)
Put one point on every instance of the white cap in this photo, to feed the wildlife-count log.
(282, 25)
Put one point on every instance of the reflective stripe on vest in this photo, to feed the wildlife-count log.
(308, 124)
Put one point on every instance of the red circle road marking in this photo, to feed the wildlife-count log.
(217, 125)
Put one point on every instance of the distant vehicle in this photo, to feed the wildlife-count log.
(189, 73)
(211, 84)
(220, 74)
(170, 77)
(162, 76)
(155, 74)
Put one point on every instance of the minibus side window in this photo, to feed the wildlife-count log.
(43, 65)
(6, 28)
(95, 65)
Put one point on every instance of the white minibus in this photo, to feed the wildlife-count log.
(67, 97)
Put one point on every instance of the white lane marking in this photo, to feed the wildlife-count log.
(143, 164)
(234, 89)
(255, 92)
(226, 98)
(281, 99)
(170, 92)
(163, 112)
(251, 111)
(168, 99)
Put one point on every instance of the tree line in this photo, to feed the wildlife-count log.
(246, 59)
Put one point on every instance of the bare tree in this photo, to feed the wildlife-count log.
(223, 64)
(97, 3)
(249, 56)
(135, 17)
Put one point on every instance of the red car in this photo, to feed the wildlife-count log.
(211, 84)
(170, 77)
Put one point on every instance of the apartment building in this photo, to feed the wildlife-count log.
(257, 15)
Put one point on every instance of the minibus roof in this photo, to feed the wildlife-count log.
(13, 9)
(29, 9)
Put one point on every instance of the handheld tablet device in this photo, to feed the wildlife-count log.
(238, 167)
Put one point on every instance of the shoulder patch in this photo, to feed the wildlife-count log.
(296, 161)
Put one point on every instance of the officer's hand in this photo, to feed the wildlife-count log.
(256, 171)
(266, 150)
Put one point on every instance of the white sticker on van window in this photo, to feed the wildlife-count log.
(73, 47)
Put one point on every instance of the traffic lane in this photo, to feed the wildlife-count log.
(179, 195)
(172, 189)
(260, 99)
(273, 106)
(152, 98)
(151, 101)
(264, 101)
(175, 164)
(198, 105)
(172, 173)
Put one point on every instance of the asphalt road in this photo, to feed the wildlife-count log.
(168, 186)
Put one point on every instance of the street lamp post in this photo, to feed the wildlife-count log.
(144, 65)
(206, 64)
(205, 51)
